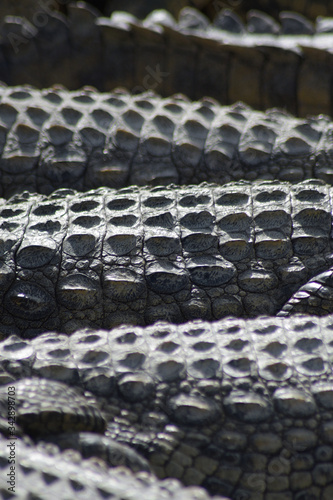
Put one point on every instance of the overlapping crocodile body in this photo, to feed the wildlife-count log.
(242, 407)
(54, 138)
(291, 70)
(42, 475)
(137, 255)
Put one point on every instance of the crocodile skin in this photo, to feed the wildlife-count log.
(137, 255)
(37, 10)
(84, 139)
(309, 8)
(44, 475)
(189, 56)
(240, 407)
(245, 409)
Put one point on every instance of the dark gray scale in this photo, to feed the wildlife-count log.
(227, 20)
(190, 18)
(260, 22)
(293, 23)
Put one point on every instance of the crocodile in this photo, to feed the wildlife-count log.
(259, 438)
(54, 138)
(241, 407)
(191, 55)
(140, 254)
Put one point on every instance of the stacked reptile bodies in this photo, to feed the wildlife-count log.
(189, 55)
(240, 407)
(54, 138)
(142, 254)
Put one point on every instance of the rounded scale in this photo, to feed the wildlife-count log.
(27, 134)
(166, 277)
(59, 134)
(32, 255)
(294, 402)
(193, 410)
(247, 407)
(293, 23)
(120, 244)
(260, 22)
(71, 115)
(79, 244)
(209, 271)
(232, 198)
(157, 202)
(78, 292)
(256, 280)
(123, 284)
(197, 220)
(136, 386)
(323, 394)
(199, 241)
(162, 244)
(85, 205)
(16, 349)
(29, 301)
(133, 119)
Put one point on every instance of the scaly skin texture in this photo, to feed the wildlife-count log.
(43, 475)
(231, 436)
(240, 407)
(35, 10)
(54, 138)
(309, 8)
(137, 255)
(189, 56)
